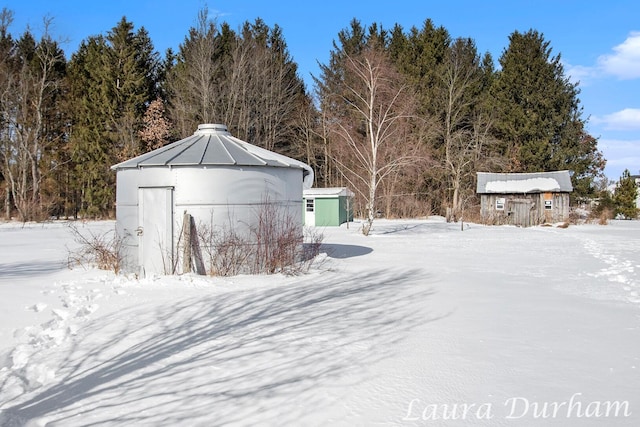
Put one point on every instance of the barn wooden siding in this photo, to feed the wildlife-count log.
(525, 210)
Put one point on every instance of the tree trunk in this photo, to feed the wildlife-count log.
(455, 208)
(371, 202)
(7, 203)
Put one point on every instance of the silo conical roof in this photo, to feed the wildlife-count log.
(213, 145)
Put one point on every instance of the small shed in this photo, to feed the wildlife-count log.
(636, 179)
(524, 199)
(328, 206)
(219, 180)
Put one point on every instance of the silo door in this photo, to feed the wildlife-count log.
(155, 230)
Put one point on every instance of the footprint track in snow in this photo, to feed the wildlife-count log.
(25, 371)
(618, 270)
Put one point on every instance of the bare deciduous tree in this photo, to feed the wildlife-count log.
(372, 128)
(263, 91)
(464, 127)
(192, 81)
(28, 87)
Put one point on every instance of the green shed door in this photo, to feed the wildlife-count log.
(327, 212)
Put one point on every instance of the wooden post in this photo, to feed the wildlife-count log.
(195, 249)
(186, 236)
(348, 209)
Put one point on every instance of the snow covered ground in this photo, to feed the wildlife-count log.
(418, 324)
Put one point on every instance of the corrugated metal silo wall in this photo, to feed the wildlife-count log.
(129, 181)
(217, 197)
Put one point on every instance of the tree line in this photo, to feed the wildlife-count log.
(403, 117)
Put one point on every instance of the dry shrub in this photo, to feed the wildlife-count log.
(226, 251)
(494, 219)
(576, 217)
(99, 250)
(311, 246)
(602, 216)
(280, 244)
(277, 236)
(275, 244)
(472, 214)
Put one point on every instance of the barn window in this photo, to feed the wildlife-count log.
(548, 201)
(500, 204)
(310, 205)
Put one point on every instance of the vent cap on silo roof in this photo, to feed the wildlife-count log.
(209, 128)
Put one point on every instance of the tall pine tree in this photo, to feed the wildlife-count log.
(91, 141)
(539, 113)
(113, 79)
(625, 196)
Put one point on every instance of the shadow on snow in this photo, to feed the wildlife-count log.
(339, 251)
(231, 357)
(29, 269)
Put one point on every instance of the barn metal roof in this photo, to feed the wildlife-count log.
(522, 183)
(213, 145)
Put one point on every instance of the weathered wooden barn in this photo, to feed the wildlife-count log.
(524, 199)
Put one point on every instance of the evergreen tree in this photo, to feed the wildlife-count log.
(113, 79)
(276, 92)
(351, 41)
(245, 80)
(587, 164)
(625, 196)
(91, 140)
(539, 114)
(132, 68)
(420, 61)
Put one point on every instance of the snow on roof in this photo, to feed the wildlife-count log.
(539, 182)
(328, 192)
(523, 186)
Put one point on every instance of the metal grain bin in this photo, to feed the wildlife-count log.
(218, 179)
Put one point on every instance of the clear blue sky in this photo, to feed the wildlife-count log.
(599, 44)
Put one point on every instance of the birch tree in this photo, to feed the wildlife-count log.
(378, 108)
